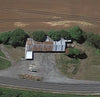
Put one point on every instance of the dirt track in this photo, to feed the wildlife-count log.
(31, 14)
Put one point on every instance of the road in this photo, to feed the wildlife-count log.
(53, 81)
(53, 87)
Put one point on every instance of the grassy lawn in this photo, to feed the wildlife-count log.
(85, 69)
(6, 92)
(92, 71)
(1, 54)
(66, 65)
(15, 53)
(4, 64)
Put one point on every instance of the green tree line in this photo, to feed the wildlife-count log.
(15, 38)
(18, 37)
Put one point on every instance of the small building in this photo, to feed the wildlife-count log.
(48, 46)
(29, 55)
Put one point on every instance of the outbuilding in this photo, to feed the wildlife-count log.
(48, 46)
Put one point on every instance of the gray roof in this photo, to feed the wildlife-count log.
(48, 45)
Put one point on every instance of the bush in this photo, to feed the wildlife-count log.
(94, 39)
(15, 38)
(64, 34)
(5, 36)
(54, 34)
(18, 38)
(76, 34)
(82, 55)
(39, 36)
(57, 35)
(74, 53)
(98, 52)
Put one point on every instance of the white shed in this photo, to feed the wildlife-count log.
(29, 55)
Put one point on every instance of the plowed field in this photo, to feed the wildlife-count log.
(49, 14)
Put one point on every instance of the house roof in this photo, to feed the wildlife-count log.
(48, 45)
(33, 45)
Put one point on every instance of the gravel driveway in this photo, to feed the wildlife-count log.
(45, 66)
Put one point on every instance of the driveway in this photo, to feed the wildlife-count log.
(45, 66)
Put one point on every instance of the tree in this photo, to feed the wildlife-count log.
(94, 39)
(39, 36)
(5, 36)
(64, 34)
(76, 33)
(18, 38)
(54, 34)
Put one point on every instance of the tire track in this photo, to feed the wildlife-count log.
(4, 58)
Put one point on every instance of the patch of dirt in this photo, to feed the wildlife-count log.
(3, 49)
(13, 54)
(20, 24)
(68, 23)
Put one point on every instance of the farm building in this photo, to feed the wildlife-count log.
(48, 46)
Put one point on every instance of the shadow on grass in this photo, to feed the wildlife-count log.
(81, 56)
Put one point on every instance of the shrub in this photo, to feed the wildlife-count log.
(54, 34)
(39, 36)
(57, 35)
(94, 39)
(5, 36)
(18, 38)
(97, 51)
(76, 34)
(64, 34)
(74, 53)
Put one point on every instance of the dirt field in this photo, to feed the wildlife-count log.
(49, 14)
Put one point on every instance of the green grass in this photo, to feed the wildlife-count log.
(15, 53)
(92, 71)
(68, 66)
(6, 92)
(76, 68)
(84, 69)
(1, 54)
(4, 64)
(74, 61)
(98, 52)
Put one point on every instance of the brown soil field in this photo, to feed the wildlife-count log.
(33, 15)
